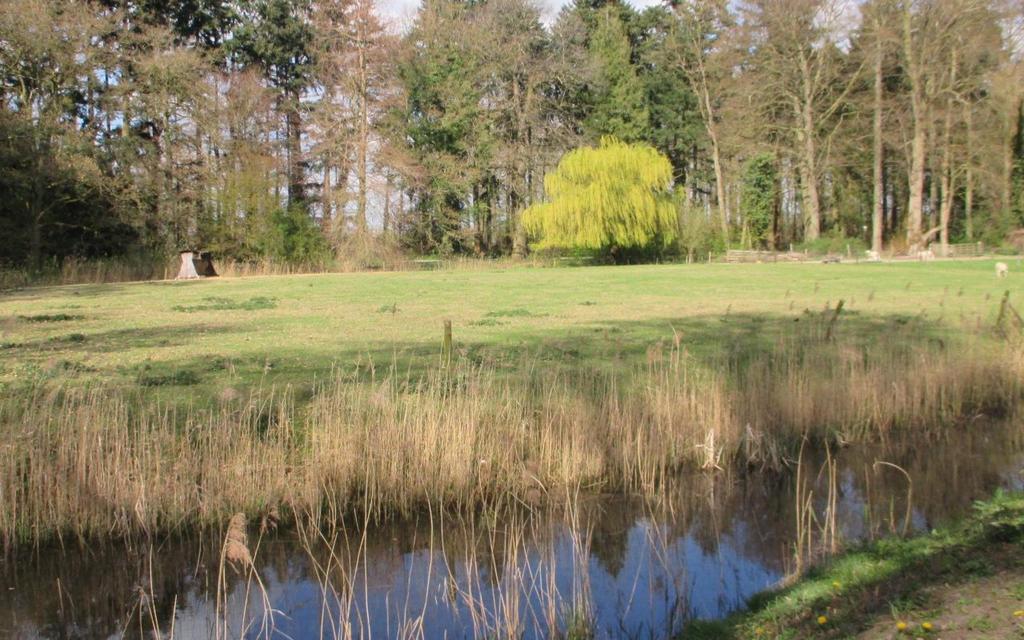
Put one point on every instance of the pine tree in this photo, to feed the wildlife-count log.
(675, 127)
(443, 122)
(277, 38)
(619, 100)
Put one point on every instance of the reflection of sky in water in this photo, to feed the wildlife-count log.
(645, 577)
(662, 582)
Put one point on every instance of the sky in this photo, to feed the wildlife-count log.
(402, 11)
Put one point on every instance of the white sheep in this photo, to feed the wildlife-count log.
(1002, 270)
(873, 256)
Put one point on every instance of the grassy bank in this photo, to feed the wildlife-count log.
(963, 581)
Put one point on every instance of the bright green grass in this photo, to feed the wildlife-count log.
(855, 589)
(194, 338)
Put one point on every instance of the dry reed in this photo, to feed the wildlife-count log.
(377, 258)
(102, 462)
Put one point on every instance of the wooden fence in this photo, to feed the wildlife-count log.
(966, 250)
(740, 255)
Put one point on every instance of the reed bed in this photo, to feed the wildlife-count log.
(506, 571)
(102, 462)
(521, 574)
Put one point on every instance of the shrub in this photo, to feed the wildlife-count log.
(292, 236)
(834, 243)
(698, 234)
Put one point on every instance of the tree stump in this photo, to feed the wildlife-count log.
(196, 266)
(188, 267)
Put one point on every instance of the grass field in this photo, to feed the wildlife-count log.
(153, 406)
(202, 337)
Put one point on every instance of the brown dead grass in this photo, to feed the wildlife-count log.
(100, 462)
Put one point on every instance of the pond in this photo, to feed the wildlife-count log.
(615, 565)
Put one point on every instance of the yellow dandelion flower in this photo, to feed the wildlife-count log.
(1019, 613)
(822, 619)
(837, 584)
(927, 626)
(901, 626)
(759, 631)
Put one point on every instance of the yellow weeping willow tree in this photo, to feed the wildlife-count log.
(617, 196)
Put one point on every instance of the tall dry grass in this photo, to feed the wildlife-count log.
(76, 271)
(100, 462)
(353, 257)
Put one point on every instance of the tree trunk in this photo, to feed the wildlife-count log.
(969, 176)
(915, 177)
(915, 186)
(35, 242)
(809, 162)
(516, 229)
(386, 221)
(363, 143)
(479, 220)
(946, 194)
(708, 114)
(327, 201)
(1010, 137)
(723, 201)
(933, 176)
(338, 185)
(293, 132)
(37, 203)
(878, 158)
(809, 196)
(946, 185)
(518, 187)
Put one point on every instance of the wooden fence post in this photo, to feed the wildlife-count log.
(832, 322)
(446, 344)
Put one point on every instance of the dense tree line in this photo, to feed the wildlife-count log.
(295, 129)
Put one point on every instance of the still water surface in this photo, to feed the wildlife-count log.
(632, 568)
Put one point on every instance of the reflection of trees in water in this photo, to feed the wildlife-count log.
(96, 591)
(100, 587)
(948, 472)
(611, 522)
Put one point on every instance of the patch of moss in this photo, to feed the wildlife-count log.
(52, 317)
(486, 322)
(177, 378)
(514, 313)
(73, 338)
(226, 304)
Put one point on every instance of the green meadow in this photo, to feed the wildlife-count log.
(192, 339)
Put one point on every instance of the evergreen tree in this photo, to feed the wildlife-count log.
(443, 123)
(619, 99)
(203, 22)
(676, 128)
(275, 36)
